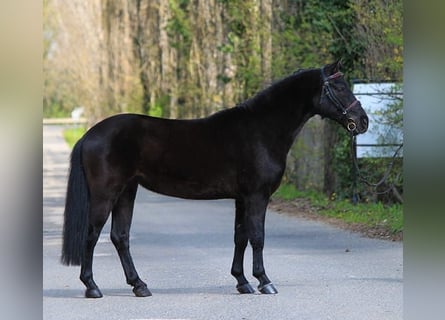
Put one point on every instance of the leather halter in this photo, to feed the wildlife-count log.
(328, 92)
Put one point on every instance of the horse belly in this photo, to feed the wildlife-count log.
(189, 188)
(190, 181)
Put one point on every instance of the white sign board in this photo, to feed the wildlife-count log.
(381, 139)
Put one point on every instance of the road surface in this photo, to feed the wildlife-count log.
(183, 250)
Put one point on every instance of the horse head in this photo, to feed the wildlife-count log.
(337, 101)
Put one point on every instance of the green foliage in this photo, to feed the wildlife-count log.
(377, 214)
(242, 41)
(342, 163)
(380, 28)
(374, 169)
(158, 109)
(58, 101)
(55, 110)
(370, 214)
(287, 192)
(178, 27)
(314, 33)
(72, 135)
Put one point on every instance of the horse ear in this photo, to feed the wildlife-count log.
(332, 68)
(338, 65)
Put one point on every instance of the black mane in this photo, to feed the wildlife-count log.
(280, 90)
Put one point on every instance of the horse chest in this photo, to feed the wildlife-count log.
(263, 172)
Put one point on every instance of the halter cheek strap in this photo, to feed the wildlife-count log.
(350, 106)
(331, 95)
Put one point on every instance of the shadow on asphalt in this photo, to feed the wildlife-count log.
(126, 292)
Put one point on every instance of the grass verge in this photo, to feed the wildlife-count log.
(372, 219)
(72, 135)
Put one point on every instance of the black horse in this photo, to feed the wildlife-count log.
(238, 153)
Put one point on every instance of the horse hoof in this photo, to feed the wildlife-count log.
(141, 291)
(93, 293)
(245, 288)
(268, 289)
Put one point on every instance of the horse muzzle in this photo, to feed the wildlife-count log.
(357, 126)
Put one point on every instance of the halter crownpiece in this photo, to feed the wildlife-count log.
(333, 76)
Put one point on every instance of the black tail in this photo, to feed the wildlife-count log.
(75, 229)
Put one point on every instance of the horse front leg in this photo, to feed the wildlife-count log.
(241, 240)
(255, 217)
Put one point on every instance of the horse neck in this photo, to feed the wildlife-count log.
(284, 108)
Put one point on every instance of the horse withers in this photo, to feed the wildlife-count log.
(238, 153)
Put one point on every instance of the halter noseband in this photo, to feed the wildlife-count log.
(327, 90)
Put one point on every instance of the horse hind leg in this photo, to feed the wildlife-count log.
(99, 212)
(120, 235)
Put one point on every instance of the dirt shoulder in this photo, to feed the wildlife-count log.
(303, 209)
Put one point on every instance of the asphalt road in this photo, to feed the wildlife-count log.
(183, 250)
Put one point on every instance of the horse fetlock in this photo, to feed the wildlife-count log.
(236, 272)
(260, 274)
